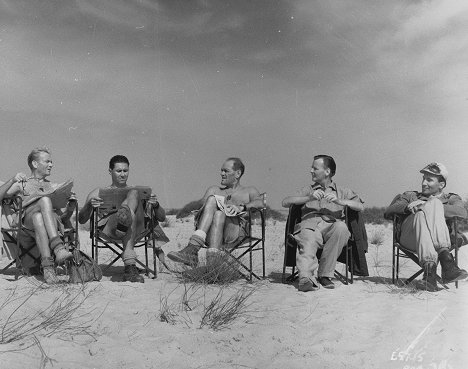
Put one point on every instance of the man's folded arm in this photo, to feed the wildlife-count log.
(398, 206)
(353, 204)
(295, 200)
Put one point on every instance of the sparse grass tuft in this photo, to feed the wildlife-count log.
(21, 320)
(377, 236)
(219, 269)
(167, 312)
(219, 313)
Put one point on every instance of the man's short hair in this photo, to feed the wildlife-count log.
(329, 163)
(237, 164)
(118, 159)
(34, 155)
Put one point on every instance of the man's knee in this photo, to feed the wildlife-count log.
(341, 229)
(37, 221)
(308, 238)
(45, 203)
(211, 203)
(133, 193)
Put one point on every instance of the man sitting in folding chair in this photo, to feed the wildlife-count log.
(222, 219)
(43, 220)
(322, 224)
(424, 230)
(127, 222)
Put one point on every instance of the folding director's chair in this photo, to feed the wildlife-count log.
(399, 251)
(252, 242)
(290, 249)
(113, 198)
(26, 258)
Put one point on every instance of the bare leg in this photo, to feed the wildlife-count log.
(40, 234)
(206, 224)
(129, 255)
(44, 207)
(215, 234)
(206, 218)
(134, 203)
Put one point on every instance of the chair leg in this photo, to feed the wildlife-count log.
(146, 256)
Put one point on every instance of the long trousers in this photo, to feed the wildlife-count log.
(313, 234)
(426, 232)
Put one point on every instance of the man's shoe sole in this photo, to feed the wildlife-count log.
(142, 280)
(328, 286)
(310, 285)
(461, 277)
(307, 288)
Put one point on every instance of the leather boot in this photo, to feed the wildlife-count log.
(450, 271)
(430, 276)
(188, 255)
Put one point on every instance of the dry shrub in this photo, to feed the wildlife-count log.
(189, 208)
(374, 215)
(168, 223)
(377, 236)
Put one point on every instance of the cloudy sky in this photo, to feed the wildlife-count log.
(178, 86)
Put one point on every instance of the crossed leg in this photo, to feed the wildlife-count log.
(41, 218)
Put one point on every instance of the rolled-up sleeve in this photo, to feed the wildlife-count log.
(304, 191)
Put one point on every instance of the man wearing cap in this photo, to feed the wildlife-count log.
(322, 224)
(424, 229)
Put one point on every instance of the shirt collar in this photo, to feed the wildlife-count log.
(332, 185)
(442, 196)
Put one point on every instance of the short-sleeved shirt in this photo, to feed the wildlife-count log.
(324, 207)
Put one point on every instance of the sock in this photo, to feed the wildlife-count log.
(47, 262)
(55, 242)
(129, 257)
(200, 234)
(196, 240)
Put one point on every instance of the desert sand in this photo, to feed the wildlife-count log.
(112, 324)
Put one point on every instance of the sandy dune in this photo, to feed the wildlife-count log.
(369, 324)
